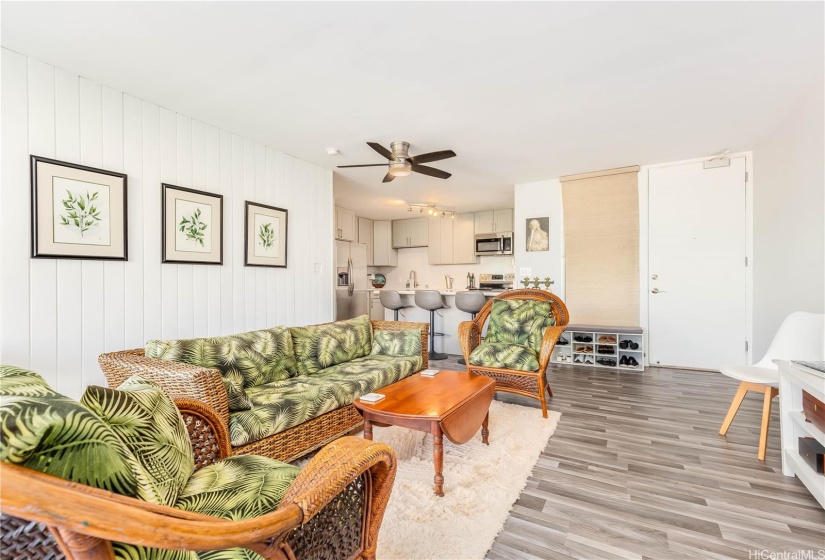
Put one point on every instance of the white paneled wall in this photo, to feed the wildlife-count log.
(57, 316)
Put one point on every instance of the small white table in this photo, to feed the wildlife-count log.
(793, 379)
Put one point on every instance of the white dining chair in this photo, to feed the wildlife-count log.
(801, 336)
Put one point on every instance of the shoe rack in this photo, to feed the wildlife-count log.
(615, 348)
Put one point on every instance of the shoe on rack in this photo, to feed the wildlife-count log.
(623, 361)
(606, 362)
(607, 339)
(562, 342)
(577, 360)
(585, 349)
(583, 338)
(623, 344)
(634, 345)
(605, 350)
(631, 361)
(588, 360)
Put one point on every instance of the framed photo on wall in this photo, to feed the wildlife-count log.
(192, 226)
(78, 212)
(265, 238)
(537, 234)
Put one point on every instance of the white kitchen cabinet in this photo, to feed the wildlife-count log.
(464, 251)
(366, 236)
(494, 221)
(383, 252)
(346, 226)
(376, 309)
(413, 232)
(451, 240)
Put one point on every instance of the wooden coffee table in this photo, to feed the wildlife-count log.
(452, 404)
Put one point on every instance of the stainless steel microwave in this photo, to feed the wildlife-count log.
(494, 243)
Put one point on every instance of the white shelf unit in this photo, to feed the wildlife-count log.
(793, 379)
(589, 352)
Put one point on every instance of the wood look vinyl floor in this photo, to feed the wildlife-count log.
(638, 470)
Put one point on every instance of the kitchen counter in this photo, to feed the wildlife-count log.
(446, 319)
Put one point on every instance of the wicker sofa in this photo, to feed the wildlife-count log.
(124, 474)
(278, 423)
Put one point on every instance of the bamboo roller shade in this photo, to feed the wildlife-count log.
(601, 231)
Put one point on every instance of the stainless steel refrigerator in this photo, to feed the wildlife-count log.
(352, 285)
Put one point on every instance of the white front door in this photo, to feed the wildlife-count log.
(696, 285)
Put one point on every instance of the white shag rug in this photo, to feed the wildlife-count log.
(481, 484)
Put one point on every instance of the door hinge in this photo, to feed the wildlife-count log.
(746, 261)
(746, 346)
(746, 176)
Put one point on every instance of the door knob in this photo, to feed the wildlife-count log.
(654, 277)
(657, 291)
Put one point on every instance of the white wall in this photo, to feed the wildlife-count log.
(789, 228)
(57, 316)
(537, 200)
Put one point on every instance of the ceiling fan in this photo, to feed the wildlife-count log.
(402, 164)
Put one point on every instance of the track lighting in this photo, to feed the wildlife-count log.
(431, 210)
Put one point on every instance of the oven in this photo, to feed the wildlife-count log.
(494, 243)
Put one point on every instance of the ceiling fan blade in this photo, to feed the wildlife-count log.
(388, 178)
(364, 165)
(432, 156)
(431, 171)
(381, 150)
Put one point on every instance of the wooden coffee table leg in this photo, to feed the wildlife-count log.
(438, 459)
(367, 429)
(485, 433)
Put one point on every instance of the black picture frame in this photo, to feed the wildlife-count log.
(42, 209)
(170, 251)
(282, 236)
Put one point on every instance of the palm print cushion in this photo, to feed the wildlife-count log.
(508, 356)
(397, 343)
(282, 405)
(47, 432)
(320, 346)
(519, 322)
(150, 426)
(251, 359)
(238, 487)
(130, 552)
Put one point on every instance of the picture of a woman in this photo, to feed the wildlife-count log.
(537, 237)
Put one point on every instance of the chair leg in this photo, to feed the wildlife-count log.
(770, 393)
(549, 391)
(734, 407)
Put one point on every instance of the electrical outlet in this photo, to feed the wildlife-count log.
(525, 271)
(317, 268)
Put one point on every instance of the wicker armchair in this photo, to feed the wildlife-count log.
(204, 385)
(332, 510)
(531, 384)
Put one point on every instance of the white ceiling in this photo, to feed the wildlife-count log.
(521, 91)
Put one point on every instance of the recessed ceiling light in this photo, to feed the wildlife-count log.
(333, 151)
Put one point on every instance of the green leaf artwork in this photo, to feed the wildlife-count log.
(193, 227)
(80, 212)
(266, 235)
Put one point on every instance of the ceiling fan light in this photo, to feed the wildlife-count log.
(400, 168)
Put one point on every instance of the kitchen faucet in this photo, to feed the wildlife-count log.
(412, 281)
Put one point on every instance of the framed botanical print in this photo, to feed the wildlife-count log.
(265, 235)
(192, 226)
(78, 212)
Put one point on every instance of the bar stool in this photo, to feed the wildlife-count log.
(469, 301)
(431, 300)
(391, 299)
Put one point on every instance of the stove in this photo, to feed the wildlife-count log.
(496, 281)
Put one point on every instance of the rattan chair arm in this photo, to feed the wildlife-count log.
(209, 436)
(87, 511)
(179, 380)
(407, 326)
(336, 466)
(469, 337)
(548, 342)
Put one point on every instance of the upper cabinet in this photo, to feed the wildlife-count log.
(494, 221)
(383, 252)
(452, 240)
(413, 232)
(346, 225)
(365, 236)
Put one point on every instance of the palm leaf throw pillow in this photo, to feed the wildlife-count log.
(149, 424)
(519, 322)
(47, 432)
(321, 346)
(397, 343)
